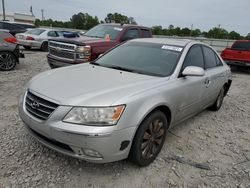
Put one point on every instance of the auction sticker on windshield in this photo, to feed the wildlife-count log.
(173, 48)
(117, 28)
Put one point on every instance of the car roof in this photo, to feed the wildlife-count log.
(169, 41)
(125, 25)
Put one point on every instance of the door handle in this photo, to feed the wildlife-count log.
(207, 82)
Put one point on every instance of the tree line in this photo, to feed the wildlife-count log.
(84, 21)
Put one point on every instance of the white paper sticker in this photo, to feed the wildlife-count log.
(173, 48)
(118, 29)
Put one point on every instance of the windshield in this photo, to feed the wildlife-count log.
(142, 58)
(101, 31)
(35, 31)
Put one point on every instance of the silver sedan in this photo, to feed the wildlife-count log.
(37, 38)
(121, 105)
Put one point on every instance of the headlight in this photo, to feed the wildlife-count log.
(84, 52)
(94, 116)
(83, 49)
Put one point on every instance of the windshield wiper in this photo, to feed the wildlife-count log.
(121, 68)
(93, 36)
(94, 63)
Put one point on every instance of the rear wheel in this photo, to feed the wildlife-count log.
(27, 47)
(44, 46)
(149, 139)
(7, 61)
(218, 103)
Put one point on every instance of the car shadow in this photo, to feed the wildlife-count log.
(240, 70)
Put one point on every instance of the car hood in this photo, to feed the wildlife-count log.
(90, 85)
(80, 40)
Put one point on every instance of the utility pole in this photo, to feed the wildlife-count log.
(4, 17)
(191, 30)
(42, 14)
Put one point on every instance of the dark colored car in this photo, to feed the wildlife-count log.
(238, 54)
(14, 28)
(9, 51)
(96, 41)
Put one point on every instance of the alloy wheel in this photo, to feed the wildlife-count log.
(7, 61)
(152, 139)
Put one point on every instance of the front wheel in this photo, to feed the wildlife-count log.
(149, 139)
(7, 61)
(218, 103)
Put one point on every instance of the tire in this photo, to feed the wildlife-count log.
(218, 103)
(44, 46)
(8, 61)
(27, 47)
(149, 139)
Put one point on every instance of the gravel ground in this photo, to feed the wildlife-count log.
(210, 150)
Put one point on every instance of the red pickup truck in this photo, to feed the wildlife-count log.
(238, 54)
(96, 41)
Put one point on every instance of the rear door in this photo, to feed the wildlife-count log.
(215, 75)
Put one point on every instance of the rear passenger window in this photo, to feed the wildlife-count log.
(209, 57)
(146, 33)
(52, 34)
(194, 58)
(218, 61)
(10, 26)
(131, 34)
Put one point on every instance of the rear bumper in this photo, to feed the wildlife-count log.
(30, 43)
(18, 53)
(237, 63)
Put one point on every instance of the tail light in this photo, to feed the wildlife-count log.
(222, 53)
(11, 40)
(29, 38)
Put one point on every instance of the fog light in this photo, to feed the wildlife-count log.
(81, 56)
(92, 153)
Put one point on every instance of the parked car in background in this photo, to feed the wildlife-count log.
(122, 104)
(91, 44)
(38, 38)
(9, 51)
(15, 27)
(238, 54)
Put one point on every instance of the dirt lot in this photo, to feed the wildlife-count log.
(209, 150)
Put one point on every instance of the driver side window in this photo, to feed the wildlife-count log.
(194, 57)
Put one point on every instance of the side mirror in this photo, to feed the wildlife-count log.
(193, 71)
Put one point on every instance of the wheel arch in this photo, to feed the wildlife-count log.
(227, 86)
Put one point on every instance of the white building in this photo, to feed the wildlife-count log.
(17, 17)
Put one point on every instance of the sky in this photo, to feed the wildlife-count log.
(204, 15)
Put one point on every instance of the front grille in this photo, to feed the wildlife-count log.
(61, 45)
(62, 54)
(39, 107)
(52, 142)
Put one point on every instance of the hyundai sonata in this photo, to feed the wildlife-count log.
(121, 105)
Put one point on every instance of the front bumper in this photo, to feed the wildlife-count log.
(238, 63)
(73, 140)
